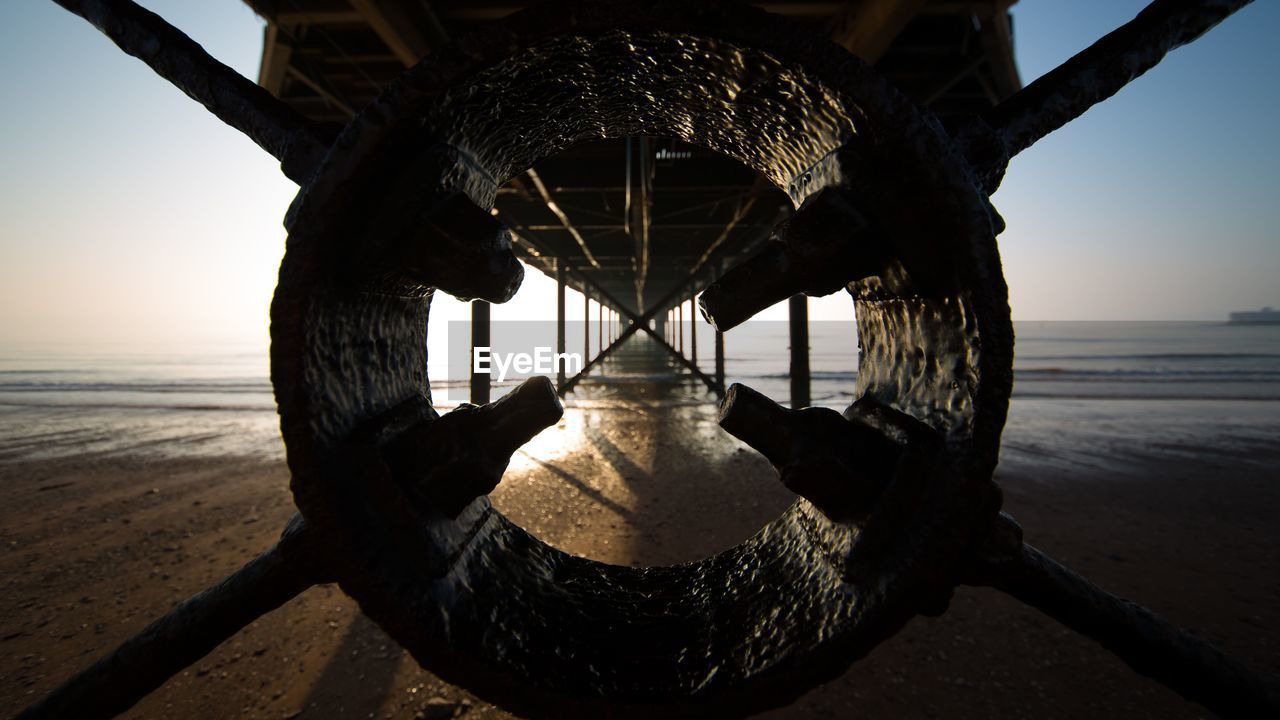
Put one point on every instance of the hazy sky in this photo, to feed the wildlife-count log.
(128, 213)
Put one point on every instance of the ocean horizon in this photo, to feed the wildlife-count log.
(1130, 381)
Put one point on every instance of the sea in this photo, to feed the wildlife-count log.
(1082, 390)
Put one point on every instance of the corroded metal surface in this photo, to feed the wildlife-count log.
(482, 603)
(274, 126)
(1151, 645)
(1102, 69)
(839, 464)
(819, 250)
(392, 495)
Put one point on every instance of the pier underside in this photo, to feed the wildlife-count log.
(644, 154)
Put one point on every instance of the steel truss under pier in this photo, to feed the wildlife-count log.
(886, 197)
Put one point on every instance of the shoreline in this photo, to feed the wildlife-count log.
(97, 547)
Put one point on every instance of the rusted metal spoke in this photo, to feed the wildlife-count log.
(445, 463)
(1102, 69)
(838, 465)
(449, 461)
(235, 100)
(455, 246)
(1149, 644)
(187, 633)
(827, 244)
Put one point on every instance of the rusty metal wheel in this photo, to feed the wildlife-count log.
(484, 604)
(898, 506)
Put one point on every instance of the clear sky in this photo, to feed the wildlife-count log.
(130, 214)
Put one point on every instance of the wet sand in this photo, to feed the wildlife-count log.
(95, 546)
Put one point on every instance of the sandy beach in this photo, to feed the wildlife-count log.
(215, 212)
(97, 545)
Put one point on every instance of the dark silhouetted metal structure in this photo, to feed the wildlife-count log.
(897, 503)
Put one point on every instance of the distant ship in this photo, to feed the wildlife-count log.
(1255, 317)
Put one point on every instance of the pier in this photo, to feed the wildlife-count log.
(639, 225)
(673, 163)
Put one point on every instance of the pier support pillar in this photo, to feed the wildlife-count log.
(799, 307)
(479, 338)
(586, 328)
(680, 328)
(720, 359)
(560, 313)
(693, 325)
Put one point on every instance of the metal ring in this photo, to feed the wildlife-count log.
(479, 601)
